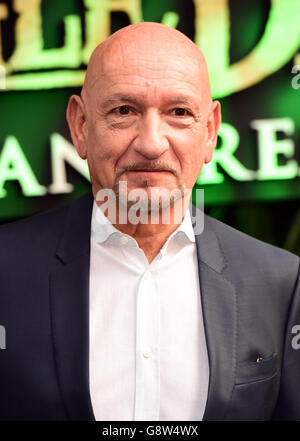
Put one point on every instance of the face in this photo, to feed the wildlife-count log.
(147, 119)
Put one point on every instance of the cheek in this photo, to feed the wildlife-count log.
(105, 144)
(191, 149)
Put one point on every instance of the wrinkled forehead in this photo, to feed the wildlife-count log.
(150, 58)
(156, 46)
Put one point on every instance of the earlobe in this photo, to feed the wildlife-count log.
(76, 121)
(213, 125)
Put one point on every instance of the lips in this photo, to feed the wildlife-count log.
(147, 170)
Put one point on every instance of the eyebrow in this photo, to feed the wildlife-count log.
(117, 98)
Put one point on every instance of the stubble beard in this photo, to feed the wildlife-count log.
(151, 199)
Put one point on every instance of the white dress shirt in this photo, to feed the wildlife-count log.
(148, 356)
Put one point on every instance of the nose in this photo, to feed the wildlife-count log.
(151, 141)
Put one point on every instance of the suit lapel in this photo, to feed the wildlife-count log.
(219, 307)
(69, 296)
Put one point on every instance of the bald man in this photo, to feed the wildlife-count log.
(119, 306)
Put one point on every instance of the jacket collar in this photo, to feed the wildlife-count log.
(75, 239)
(69, 293)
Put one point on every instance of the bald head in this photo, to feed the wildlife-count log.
(150, 45)
(145, 105)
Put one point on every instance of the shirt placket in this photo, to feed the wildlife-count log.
(147, 391)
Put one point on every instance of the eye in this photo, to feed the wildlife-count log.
(122, 110)
(180, 111)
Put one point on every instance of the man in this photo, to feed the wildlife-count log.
(114, 320)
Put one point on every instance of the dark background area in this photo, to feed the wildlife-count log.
(266, 210)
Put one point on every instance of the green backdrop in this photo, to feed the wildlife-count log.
(252, 48)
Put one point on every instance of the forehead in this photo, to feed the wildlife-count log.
(148, 74)
(148, 48)
(149, 64)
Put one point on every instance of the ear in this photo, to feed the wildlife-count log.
(76, 120)
(213, 124)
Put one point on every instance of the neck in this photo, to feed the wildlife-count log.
(150, 230)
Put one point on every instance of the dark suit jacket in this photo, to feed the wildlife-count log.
(250, 296)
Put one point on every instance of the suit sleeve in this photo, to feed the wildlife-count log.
(288, 404)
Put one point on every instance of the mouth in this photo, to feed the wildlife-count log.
(149, 171)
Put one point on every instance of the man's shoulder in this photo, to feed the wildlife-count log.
(243, 249)
(36, 223)
(40, 229)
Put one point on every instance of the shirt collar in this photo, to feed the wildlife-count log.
(103, 230)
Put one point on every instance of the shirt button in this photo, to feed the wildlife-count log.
(124, 240)
(147, 275)
(180, 237)
(146, 353)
